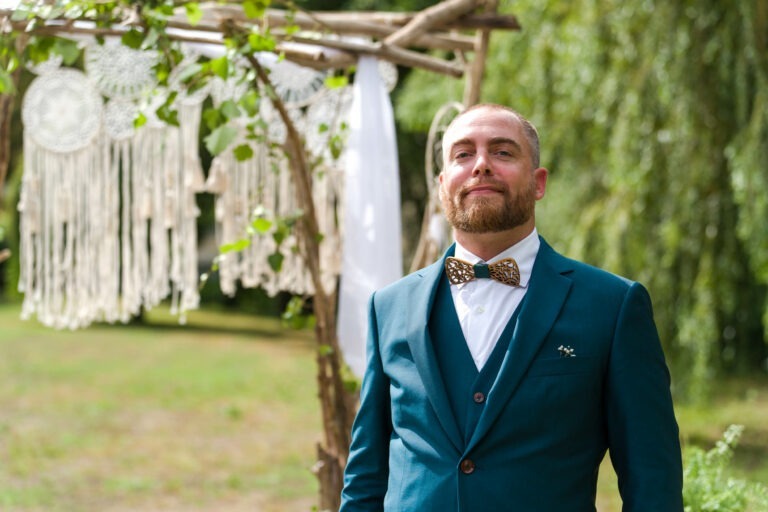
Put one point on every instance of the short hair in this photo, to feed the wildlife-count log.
(530, 132)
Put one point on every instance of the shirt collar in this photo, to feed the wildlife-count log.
(524, 253)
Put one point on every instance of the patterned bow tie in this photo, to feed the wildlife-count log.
(504, 271)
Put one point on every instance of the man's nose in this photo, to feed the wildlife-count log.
(482, 165)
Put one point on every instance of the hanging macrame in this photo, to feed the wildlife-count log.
(107, 212)
(65, 238)
(261, 187)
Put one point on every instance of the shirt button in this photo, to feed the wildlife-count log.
(478, 397)
(467, 466)
(480, 310)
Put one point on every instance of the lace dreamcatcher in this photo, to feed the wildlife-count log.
(107, 211)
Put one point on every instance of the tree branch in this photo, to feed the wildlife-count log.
(430, 17)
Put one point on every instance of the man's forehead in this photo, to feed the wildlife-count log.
(490, 123)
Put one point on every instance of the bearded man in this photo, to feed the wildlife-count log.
(498, 377)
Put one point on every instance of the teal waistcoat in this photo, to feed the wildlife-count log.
(467, 388)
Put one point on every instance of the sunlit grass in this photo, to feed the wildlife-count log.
(218, 415)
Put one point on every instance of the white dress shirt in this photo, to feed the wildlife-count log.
(484, 306)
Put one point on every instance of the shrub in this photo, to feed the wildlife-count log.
(708, 486)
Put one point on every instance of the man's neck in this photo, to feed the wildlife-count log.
(488, 245)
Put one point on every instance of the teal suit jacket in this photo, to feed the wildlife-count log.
(548, 419)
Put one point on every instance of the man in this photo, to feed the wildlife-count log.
(491, 396)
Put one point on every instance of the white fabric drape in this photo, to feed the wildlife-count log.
(372, 255)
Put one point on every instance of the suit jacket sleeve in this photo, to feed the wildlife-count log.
(367, 470)
(642, 432)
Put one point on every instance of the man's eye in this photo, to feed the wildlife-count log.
(462, 154)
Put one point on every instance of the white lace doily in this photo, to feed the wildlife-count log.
(389, 75)
(119, 71)
(62, 110)
(276, 131)
(232, 88)
(325, 115)
(296, 85)
(118, 119)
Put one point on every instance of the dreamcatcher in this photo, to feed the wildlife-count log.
(62, 238)
(108, 213)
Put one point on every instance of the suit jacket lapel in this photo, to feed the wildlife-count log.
(423, 351)
(548, 289)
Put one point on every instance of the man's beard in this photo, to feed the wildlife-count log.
(489, 214)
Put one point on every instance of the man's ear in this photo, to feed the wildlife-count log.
(540, 178)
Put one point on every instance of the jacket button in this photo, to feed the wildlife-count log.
(478, 397)
(467, 466)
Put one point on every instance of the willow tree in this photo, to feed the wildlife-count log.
(654, 124)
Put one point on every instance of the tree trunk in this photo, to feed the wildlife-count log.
(6, 113)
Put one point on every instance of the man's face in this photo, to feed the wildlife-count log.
(488, 183)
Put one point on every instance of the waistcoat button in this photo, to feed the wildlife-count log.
(467, 466)
(478, 397)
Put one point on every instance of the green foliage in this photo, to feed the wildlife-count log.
(654, 125)
(708, 487)
(220, 139)
(296, 315)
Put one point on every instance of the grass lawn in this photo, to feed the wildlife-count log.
(217, 415)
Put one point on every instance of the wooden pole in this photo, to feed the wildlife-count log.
(474, 77)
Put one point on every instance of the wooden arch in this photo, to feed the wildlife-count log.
(458, 29)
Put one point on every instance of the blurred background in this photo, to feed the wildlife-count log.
(653, 118)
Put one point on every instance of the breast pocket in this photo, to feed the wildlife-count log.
(563, 366)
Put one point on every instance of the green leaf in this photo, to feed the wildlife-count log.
(336, 82)
(68, 49)
(187, 72)
(6, 83)
(150, 40)
(133, 39)
(243, 152)
(282, 232)
(21, 12)
(275, 261)
(212, 118)
(336, 146)
(194, 13)
(140, 120)
(261, 43)
(249, 102)
(262, 225)
(220, 138)
(166, 112)
(39, 48)
(229, 109)
(255, 8)
(220, 67)
(236, 246)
